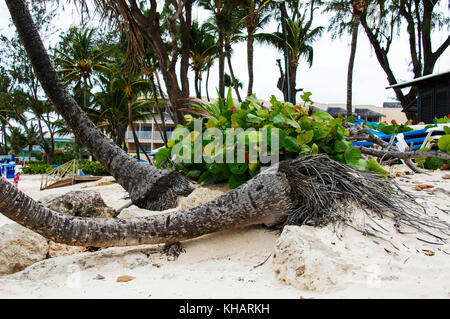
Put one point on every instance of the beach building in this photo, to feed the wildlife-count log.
(149, 134)
(433, 96)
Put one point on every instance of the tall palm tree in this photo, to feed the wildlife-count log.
(257, 14)
(358, 7)
(203, 46)
(209, 61)
(5, 106)
(299, 37)
(346, 18)
(17, 139)
(233, 34)
(131, 84)
(32, 137)
(232, 26)
(78, 58)
(217, 8)
(147, 186)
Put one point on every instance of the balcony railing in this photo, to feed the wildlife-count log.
(148, 135)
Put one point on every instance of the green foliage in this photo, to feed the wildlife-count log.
(61, 157)
(444, 146)
(93, 168)
(393, 128)
(36, 168)
(299, 134)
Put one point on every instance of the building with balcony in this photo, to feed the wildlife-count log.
(149, 134)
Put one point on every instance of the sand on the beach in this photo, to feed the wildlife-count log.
(230, 264)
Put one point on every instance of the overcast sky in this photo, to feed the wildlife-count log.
(326, 79)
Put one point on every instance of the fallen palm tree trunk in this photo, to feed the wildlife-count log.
(403, 155)
(311, 189)
(149, 187)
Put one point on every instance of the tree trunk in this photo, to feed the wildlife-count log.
(220, 43)
(206, 84)
(196, 83)
(266, 199)
(162, 127)
(233, 78)
(4, 138)
(131, 124)
(185, 49)
(293, 81)
(147, 186)
(250, 41)
(351, 63)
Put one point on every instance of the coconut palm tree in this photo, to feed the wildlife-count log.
(203, 46)
(5, 106)
(257, 15)
(17, 139)
(299, 37)
(232, 26)
(78, 58)
(217, 8)
(131, 84)
(147, 186)
(347, 17)
(295, 188)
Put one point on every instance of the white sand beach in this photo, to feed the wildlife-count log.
(230, 264)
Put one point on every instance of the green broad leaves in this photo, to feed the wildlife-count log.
(247, 132)
(254, 118)
(375, 167)
(162, 155)
(305, 138)
(352, 155)
(444, 143)
(278, 120)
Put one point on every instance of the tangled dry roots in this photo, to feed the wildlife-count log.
(325, 191)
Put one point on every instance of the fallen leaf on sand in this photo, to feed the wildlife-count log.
(422, 186)
(156, 265)
(429, 252)
(125, 278)
(447, 176)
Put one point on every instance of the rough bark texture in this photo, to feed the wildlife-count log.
(266, 199)
(148, 187)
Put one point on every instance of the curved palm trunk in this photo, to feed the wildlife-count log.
(220, 43)
(162, 128)
(266, 199)
(233, 78)
(206, 84)
(130, 122)
(351, 63)
(250, 41)
(147, 186)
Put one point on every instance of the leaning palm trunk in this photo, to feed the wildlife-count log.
(148, 186)
(265, 200)
(233, 78)
(133, 130)
(313, 190)
(351, 63)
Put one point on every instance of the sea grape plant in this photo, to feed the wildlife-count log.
(288, 130)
